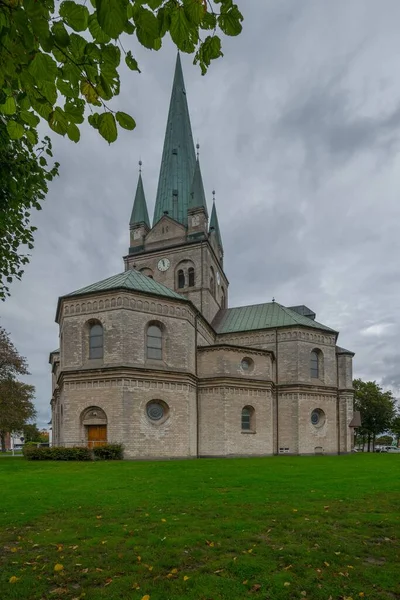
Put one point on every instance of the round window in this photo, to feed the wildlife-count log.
(317, 417)
(155, 411)
(247, 364)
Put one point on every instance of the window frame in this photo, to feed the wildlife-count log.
(191, 277)
(96, 351)
(247, 419)
(154, 343)
(315, 366)
(181, 279)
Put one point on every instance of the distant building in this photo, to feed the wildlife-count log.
(155, 358)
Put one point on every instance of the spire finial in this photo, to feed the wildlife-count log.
(197, 149)
(213, 193)
(140, 165)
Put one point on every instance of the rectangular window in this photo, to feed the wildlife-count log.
(154, 353)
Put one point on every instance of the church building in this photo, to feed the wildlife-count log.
(155, 357)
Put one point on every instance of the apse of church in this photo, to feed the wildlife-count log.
(153, 357)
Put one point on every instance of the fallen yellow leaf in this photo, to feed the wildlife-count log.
(185, 578)
(146, 597)
(58, 567)
(13, 549)
(174, 571)
(13, 579)
(139, 558)
(326, 564)
(361, 594)
(286, 584)
(245, 581)
(164, 520)
(151, 568)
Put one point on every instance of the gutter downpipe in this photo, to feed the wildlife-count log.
(197, 388)
(337, 406)
(276, 391)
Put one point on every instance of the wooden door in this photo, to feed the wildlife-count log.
(97, 435)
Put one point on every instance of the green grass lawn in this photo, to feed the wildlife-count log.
(275, 528)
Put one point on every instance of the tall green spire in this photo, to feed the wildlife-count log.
(139, 211)
(178, 158)
(197, 196)
(214, 225)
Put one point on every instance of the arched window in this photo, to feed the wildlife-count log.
(191, 276)
(223, 301)
(96, 341)
(154, 342)
(314, 364)
(212, 281)
(181, 279)
(248, 418)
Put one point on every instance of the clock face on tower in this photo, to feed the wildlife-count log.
(163, 264)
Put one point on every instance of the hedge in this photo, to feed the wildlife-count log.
(107, 452)
(57, 453)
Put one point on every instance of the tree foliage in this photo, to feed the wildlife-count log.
(56, 61)
(395, 428)
(24, 175)
(16, 406)
(377, 409)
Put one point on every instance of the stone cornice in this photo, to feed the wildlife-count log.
(234, 348)
(126, 372)
(236, 382)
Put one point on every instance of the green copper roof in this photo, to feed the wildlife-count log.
(129, 280)
(178, 158)
(139, 211)
(215, 225)
(197, 196)
(261, 316)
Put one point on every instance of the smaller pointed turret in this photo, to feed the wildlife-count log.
(139, 223)
(215, 233)
(139, 211)
(197, 205)
(197, 196)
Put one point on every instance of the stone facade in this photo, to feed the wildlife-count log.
(154, 358)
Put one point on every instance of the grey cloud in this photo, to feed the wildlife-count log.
(298, 126)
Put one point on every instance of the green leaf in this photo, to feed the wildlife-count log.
(108, 127)
(73, 133)
(75, 15)
(94, 120)
(43, 67)
(180, 28)
(154, 4)
(230, 21)
(125, 120)
(42, 161)
(131, 62)
(74, 110)
(58, 121)
(111, 54)
(9, 106)
(32, 136)
(209, 21)
(67, 89)
(112, 16)
(99, 36)
(194, 10)
(29, 118)
(61, 36)
(88, 90)
(148, 27)
(15, 130)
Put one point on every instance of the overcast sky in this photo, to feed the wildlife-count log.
(299, 128)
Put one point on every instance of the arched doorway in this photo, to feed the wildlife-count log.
(94, 422)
